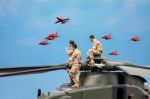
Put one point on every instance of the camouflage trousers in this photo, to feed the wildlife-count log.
(93, 52)
(74, 74)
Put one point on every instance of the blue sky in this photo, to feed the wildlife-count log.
(24, 23)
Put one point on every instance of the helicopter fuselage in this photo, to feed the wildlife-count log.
(102, 85)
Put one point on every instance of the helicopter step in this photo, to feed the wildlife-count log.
(97, 66)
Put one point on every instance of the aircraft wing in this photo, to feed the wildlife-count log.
(56, 22)
(66, 19)
(59, 18)
(136, 70)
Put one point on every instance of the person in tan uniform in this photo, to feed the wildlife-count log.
(69, 53)
(74, 62)
(96, 49)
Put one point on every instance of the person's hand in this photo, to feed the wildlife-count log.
(66, 48)
(70, 63)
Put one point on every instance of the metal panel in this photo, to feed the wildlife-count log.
(136, 71)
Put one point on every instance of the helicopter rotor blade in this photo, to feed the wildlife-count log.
(15, 71)
(22, 70)
(136, 70)
(129, 68)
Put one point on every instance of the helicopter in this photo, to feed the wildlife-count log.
(103, 80)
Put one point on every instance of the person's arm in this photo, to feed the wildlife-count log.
(95, 44)
(101, 47)
(98, 45)
(73, 56)
(68, 52)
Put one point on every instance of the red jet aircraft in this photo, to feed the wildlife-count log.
(61, 20)
(43, 43)
(135, 39)
(52, 36)
(114, 53)
(107, 37)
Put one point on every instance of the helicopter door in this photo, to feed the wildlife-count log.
(120, 93)
(121, 79)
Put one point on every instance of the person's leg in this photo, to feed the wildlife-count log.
(90, 56)
(77, 81)
(74, 70)
(70, 79)
(96, 52)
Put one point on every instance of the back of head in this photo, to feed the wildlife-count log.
(75, 45)
(91, 36)
(71, 42)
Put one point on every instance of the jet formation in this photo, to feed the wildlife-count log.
(53, 36)
(109, 36)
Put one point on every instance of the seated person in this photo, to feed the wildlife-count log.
(96, 49)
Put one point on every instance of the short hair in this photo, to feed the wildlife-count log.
(75, 45)
(92, 36)
(71, 42)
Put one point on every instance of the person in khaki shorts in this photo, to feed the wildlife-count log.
(96, 49)
(74, 62)
(69, 53)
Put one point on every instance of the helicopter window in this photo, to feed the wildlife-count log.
(120, 93)
(121, 79)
